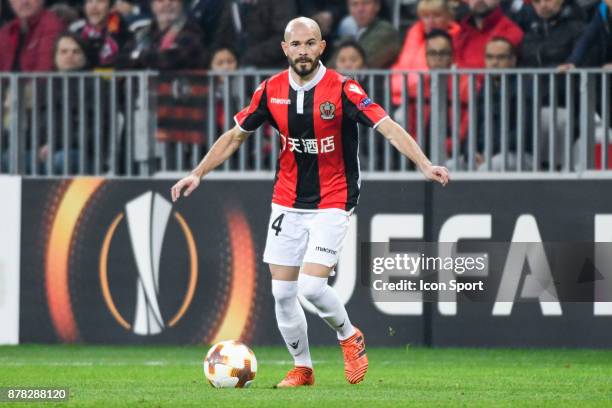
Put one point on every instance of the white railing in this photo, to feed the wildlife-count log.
(140, 123)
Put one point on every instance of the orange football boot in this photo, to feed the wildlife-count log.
(297, 377)
(355, 357)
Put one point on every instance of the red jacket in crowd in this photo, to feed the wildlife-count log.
(37, 43)
(463, 110)
(412, 57)
(471, 43)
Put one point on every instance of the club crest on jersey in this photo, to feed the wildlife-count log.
(328, 110)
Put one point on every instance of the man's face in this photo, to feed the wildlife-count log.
(363, 11)
(438, 53)
(97, 11)
(167, 12)
(223, 61)
(546, 9)
(481, 8)
(26, 8)
(303, 50)
(349, 59)
(434, 19)
(69, 55)
(498, 55)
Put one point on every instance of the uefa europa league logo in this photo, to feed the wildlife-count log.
(147, 217)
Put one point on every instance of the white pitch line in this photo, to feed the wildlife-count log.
(123, 363)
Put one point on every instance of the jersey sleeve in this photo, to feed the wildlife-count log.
(254, 115)
(359, 107)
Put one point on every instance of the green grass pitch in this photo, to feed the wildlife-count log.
(146, 376)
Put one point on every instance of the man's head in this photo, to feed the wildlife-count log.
(364, 11)
(546, 9)
(303, 45)
(24, 9)
(97, 11)
(482, 8)
(438, 50)
(500, 54)
(434, 14)
(167, 12)
(69, 53)
(350, 57)
(224, 60)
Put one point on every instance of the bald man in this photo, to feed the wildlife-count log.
(315, 111)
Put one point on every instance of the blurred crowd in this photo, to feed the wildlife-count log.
(224, 35)
(175, 34)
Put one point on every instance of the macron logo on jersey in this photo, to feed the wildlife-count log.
(355, 88)
(279, 101)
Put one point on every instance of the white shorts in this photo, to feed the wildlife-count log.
(296, 237)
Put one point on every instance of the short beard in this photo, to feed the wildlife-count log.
(303, 72)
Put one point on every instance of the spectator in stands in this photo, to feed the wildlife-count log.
(594, 47)
(439, 56)
(26, 42)
(486, 20)
(260, 26)
(350, 57)
(433, 14)
(70, 54)
(104, 30)
(552, 35)
(500, 53)
(438, 49)
(547, 43)
(224, 60)
(378, 37)
(170, 42)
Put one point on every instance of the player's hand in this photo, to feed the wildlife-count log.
(566, 67)
(190, 183)
(436, 173)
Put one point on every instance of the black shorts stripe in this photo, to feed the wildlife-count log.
(302, 127)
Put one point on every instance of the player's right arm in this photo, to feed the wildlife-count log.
(247, 121)
(220, 151)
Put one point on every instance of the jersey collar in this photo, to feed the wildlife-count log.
(310, 84)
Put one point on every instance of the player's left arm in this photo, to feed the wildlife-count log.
(360, 108)
(406, 145)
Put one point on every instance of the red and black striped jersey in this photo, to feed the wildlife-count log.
(318, 165)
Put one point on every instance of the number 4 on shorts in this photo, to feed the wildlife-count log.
(276, 225)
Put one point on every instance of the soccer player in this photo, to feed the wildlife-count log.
(315, 111)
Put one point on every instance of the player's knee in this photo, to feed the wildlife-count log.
(284, 290)
(311, 287)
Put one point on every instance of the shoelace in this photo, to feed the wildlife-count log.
(297, 373)
(351, 350)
